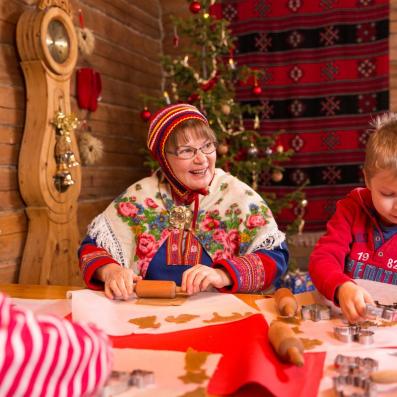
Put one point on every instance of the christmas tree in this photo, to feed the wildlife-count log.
(206, 75)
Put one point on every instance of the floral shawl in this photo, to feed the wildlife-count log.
(233, 220)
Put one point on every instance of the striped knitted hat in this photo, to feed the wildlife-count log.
(161, 127)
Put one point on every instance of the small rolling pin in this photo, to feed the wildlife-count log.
(286, 302)
(385, 376)
(287, 346)
(156, 289)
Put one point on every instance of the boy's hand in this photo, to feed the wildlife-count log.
(200, 277)
(352, 300)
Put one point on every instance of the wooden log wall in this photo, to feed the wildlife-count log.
(127, 53)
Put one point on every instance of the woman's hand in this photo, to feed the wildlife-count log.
(119, 281)
(352, 300)
(200, 278)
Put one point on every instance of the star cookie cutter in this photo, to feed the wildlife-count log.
(354, 333)
(316, 312)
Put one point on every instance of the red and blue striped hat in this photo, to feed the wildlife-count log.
(161, 127)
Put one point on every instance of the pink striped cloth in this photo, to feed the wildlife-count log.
(48, 356)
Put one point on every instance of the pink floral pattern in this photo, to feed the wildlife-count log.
(127, 209)
(256, 220)
(222, 236)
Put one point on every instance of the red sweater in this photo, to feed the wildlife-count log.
(348, 251)
(49, 356)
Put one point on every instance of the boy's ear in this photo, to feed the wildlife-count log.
(366, 180)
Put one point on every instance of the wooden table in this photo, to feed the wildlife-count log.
(29, 291)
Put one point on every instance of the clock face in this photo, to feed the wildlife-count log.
(57, 41)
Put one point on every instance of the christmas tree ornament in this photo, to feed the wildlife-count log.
(175, 38)
(257, 90)
(145, 114)
(193, 97)
(223, 148)
(167, 98)
(195, 7)
(257, 122)
(254, 176)
(268, 151)
(232, 64)
(85, 37)
(209, 84)
(226, 109)
(277, 175)
(252, 151)
(280, 149)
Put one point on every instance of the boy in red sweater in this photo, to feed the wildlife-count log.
(361, 237)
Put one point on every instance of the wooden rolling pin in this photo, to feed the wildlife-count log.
(286, 302)
(287, 346)
(156, 289)
(385, 376)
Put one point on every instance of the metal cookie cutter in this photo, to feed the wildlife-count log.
(386, 312)
(315, 312)
(354, 333)
(141, 378)
(342, 382)
(354, 365)
(122, 381)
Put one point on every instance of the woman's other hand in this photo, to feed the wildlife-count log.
(352, 300)
(119, 281)
(200, 277)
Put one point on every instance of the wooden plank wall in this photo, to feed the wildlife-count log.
(128, 48)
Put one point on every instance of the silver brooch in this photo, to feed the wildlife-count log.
(180, 217)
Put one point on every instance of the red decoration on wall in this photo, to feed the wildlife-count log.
(89, 86)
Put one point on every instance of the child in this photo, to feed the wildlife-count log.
(361, 237)
(43, 355)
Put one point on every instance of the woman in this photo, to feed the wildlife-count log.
(189, 222)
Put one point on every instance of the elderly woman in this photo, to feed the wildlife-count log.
(189, 222)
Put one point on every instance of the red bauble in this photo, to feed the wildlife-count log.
(257, 90)
(195, 7)
(209, 84)
(145, 114)
(193, 98)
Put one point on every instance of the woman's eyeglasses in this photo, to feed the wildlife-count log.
(188, 152)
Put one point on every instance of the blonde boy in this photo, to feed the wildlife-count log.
(361, 237)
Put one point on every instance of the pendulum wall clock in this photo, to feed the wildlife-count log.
(49, 173)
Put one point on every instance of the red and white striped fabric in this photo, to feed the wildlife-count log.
(48, 356)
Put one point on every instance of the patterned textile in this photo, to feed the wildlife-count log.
(325, 65)
(232, 221)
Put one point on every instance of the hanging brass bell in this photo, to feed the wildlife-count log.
(71, 159)
(67, 179)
